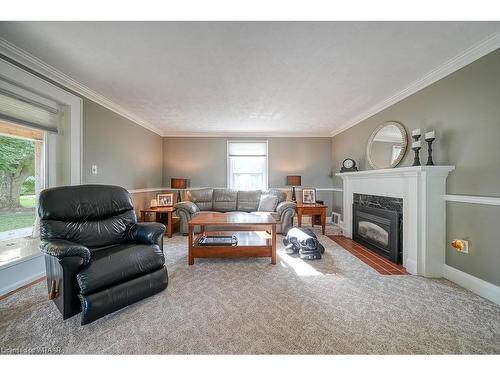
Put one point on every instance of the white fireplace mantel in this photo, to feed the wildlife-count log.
(423, 192)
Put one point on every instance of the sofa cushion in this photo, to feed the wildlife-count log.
(273, 214)
(278, 193)
(202, 198)
(224, 200)
(248, 200)
(268, 203)
(116, 264)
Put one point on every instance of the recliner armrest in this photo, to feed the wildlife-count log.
(62, 249)
(187, 206)
(285, 206)
(147, 233)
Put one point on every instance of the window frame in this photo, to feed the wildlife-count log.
(228, 160)
(72, 112)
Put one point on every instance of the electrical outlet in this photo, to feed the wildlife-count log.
(461, 246)
(93, 170)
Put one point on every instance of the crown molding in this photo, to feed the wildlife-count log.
(246, 135)
(28, 60)
(468, 56)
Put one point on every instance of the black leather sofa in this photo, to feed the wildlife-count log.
(98, 258)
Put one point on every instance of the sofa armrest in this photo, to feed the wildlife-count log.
(285, 206)
(188, 206)
(62, 249)
(147, 233)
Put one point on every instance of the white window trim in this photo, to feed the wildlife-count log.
(73, 102)
(228, 168)
(25, 270)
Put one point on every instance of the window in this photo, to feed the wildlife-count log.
(21, 179)
(247, 165)
(40, 146)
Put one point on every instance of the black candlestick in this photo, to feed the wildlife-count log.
(416, 159)
(429, 151)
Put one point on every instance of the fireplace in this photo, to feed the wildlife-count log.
(377, 224)
(422, 190)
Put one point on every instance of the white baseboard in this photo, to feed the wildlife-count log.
(21, 273)
(411, 266)
(472, 283)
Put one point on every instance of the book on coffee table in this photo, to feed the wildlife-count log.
(218, 241)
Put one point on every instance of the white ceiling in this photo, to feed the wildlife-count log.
(207, 78)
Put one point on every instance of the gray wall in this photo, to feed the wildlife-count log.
(125, 153)
(464, 110)
(204, 161)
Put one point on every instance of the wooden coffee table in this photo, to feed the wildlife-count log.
(256, 235)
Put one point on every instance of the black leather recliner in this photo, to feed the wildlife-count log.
(98, 258)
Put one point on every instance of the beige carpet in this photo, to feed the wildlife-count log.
(335, 305)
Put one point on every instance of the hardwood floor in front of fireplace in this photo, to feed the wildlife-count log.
(380, 264)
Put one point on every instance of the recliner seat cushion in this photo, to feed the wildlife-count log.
(117, 264)
(248, 200)
(224, 200)
(202, 198)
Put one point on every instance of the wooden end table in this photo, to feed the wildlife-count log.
(312, 209)
(170, 221)
(256, 235)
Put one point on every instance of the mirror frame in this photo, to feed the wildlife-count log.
(374, 134)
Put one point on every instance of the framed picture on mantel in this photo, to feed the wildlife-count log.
(308, 196)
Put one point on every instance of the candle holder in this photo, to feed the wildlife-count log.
(429, 151)
(416, 159)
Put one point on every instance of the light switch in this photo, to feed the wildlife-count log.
(93, 169)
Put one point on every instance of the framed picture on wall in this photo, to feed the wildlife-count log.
(164, 200)
(308, 196)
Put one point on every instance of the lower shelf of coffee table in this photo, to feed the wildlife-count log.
(250, 244)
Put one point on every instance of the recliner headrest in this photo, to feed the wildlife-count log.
(83, 202)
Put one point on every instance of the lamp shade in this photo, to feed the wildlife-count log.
(293, 180)
(178, 183)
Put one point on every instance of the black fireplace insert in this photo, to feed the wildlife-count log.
(377, 228)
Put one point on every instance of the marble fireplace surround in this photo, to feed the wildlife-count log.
(423, 190)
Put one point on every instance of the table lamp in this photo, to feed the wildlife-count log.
(178, 183)
(293, 181)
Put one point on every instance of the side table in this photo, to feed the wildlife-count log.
(166, 217)
(313, 209)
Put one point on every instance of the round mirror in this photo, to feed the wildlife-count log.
(387, 145)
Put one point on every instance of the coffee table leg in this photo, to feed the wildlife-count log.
(273, 248)
(190, 242)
